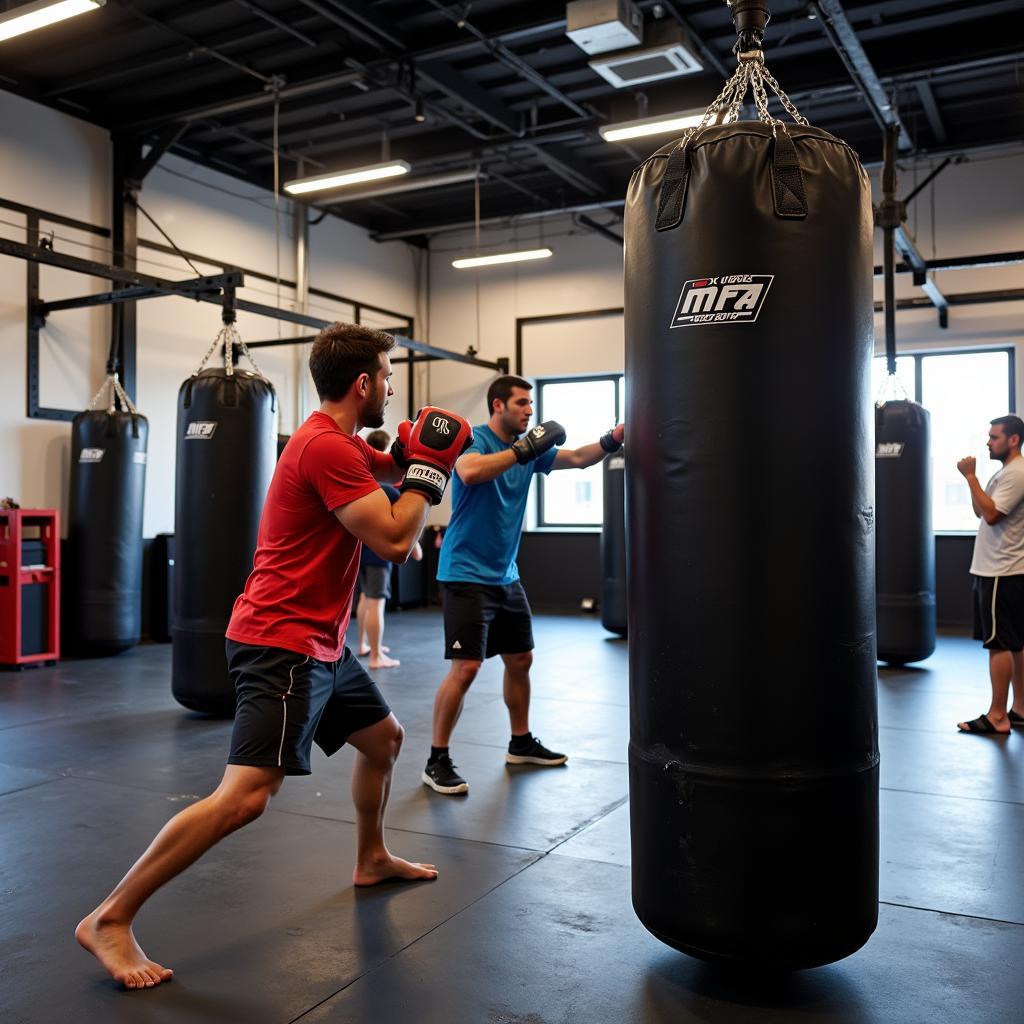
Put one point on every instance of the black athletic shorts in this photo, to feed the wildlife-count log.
(375, 581)
(285, 701)
(481, 621)
(999, 612)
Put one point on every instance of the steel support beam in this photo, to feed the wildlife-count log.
(127, 159)
(931, 110)
(963, 299)
(187, 288)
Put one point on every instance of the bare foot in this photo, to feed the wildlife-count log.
(380, 869)
(115, 947)
(384, 661)
(364, 650)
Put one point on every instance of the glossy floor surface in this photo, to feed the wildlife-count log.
(530, 920)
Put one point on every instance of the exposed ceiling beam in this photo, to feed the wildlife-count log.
(836, 25)
(931, 110)
(272, 19)
(461, 89)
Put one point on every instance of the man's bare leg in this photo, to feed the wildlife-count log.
(377, 750)
(1000, 669)
(362, 646)
(1018, 682)
(373, 622)
(516, 689)
(241, 797)
(451, 695)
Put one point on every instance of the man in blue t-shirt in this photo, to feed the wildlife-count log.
(485, 606)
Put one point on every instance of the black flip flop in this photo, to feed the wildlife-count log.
(982, 725)
(1015, 719)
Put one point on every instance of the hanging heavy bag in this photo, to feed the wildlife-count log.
(753, 755)
(103, 558)
(613, 545)
(226, 450)
(905, 545)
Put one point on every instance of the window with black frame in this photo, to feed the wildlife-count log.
(586, 407)
(962, 391)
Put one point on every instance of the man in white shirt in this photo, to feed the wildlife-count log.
(998, 571)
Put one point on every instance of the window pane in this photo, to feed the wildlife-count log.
(879, 378)
(962, 393)
(586, 409)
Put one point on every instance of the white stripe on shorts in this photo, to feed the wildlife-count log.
(995, 628)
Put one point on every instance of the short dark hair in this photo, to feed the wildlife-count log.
(502, 387)
(341, 353)
(1011, 425)
(378, 439)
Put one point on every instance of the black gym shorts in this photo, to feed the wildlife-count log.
(375, 581)
(482, 620)
(999, 612)
(285, 701)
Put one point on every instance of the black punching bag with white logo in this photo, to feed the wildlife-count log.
(103, 563)
(613, 545)
(753, 755)
(226, 451)
(905, 545)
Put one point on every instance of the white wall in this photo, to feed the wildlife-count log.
(60, 164)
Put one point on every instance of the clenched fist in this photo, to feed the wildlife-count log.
(968, 466)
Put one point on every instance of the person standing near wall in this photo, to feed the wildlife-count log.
(998, 571)
(375, 583)
(485, 607)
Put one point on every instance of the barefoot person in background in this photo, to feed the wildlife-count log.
(375, 583)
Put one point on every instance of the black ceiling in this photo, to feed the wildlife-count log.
(503, 87)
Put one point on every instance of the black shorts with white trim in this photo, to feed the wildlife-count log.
(999, 612)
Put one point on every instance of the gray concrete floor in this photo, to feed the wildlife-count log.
(530, 920)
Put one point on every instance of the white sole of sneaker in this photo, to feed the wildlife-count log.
(519, 759)
(428, 781)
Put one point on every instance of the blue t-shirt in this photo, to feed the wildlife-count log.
(368, 557)
(482, 540)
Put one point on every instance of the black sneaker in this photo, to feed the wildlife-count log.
(534, 752)
(441, 776)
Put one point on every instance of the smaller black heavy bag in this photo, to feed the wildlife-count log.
(904, 543)
(226, 451)
(613, 545)
(103, 559)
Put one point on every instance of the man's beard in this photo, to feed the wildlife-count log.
(998, 457)
(373, 413)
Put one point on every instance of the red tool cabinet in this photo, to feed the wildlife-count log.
(29, 586)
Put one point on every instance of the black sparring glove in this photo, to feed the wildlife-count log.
(397, 450)
(536, 442)
(608, 442)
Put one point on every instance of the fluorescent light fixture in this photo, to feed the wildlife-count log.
(29, 17)
(339, 179)
(502, 257)
(649, 126)
(409, 185)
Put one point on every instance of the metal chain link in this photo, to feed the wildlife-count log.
(751, 73)
(228, 336)
(114, 383)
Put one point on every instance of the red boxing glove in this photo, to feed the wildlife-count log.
(430, 447)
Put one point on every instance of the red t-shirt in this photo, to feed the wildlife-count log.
(299, 593)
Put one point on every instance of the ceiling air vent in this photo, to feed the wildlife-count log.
(668, 54)
(598, 26)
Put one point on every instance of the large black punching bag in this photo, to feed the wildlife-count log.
(613, 545)
(753, 756)
(103, 562)
(226, 450)
(905, 545)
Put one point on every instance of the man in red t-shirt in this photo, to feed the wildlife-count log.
(295, 681)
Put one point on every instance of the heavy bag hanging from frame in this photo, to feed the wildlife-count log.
(753, 754)
(226, 449)
(103, 564)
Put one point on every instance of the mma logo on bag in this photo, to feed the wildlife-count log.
(91, 455)
(200, 430)
(889, 449)
(729, 299)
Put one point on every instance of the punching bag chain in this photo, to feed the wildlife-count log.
(229, 337)
(116, 392)
(751, 73)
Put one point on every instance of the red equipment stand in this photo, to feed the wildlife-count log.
(29, 586)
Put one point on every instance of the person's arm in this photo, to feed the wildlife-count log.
(417, 552)
(390, 530)
(984, 506)
(477, 468)
(590, 454)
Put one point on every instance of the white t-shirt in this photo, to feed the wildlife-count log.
(999, 549)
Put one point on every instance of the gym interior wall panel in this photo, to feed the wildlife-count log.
(562, 348)
(953, 595)
(558, 570)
